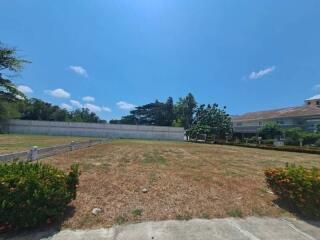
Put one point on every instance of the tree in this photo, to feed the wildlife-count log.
(9, 63)
(210, 120)
(185, 109)
(155, 113)
(84, 115)
(271, 131)
(36, 109)
(169, 115)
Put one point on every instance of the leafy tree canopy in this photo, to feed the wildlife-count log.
(36, 109)
(185, 109)
(9, 64)
(210, 120)
(155, 113)
(271, 131)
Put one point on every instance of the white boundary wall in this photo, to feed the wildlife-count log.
(93, 130)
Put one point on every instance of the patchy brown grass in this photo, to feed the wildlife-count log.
(19, 142)
(184, 180)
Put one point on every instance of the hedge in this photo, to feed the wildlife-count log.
(313, 150)
(33, 194)
(298, 187)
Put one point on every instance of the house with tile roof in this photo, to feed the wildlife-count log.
(306, 117)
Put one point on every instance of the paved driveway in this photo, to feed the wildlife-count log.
(251, 228)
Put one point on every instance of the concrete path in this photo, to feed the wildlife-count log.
(251, 228)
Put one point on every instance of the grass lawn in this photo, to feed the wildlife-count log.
(17, 142)
(183, 180)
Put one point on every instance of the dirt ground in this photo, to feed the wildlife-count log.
(19, 142)
(183, 181)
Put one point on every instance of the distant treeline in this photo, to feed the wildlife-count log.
(36, 109)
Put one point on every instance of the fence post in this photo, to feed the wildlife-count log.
(33, 154)
(71, 146)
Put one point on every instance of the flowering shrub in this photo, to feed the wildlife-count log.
(33, 194)
(298, 186)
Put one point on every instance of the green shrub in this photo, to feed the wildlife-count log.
(32, 194)
(253, 139)
(317, 143)
(293, 136)
(310, 138)
(297, 186)
(271, 131)
(267, 141)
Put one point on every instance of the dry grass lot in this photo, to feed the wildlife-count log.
(184, 180)
(17, 142)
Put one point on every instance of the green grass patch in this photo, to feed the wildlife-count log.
(154, 158)
(122, 219)
(237, 213)
(183, 217)
(137, 212)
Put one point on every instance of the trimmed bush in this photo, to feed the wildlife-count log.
(298, 187)
(268, 142)
(311, 150)
(33, 194)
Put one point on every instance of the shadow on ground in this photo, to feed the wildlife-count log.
(38, 233)
(313, 220)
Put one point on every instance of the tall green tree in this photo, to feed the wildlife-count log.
(169, 112)
(155, 113)
(10, 64)
(211, 120)
(185, 109)
(271, 131)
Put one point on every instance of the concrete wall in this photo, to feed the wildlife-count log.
(93, 130)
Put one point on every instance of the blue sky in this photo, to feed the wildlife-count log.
(248, 55)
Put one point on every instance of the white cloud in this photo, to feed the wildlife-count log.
(58, 93)
(66, 106)
(125, 105)
(25, 89)
(79, 70)
(106, 109)
(261, 73)
(88, 99)
(93, 108)
(76, 104)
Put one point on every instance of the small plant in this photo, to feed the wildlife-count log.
(33, 194)
(183, 217)
(154, 158)
(121, 219)
(237, 213)
(205, 216)
(298, 187)
(137, 212)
